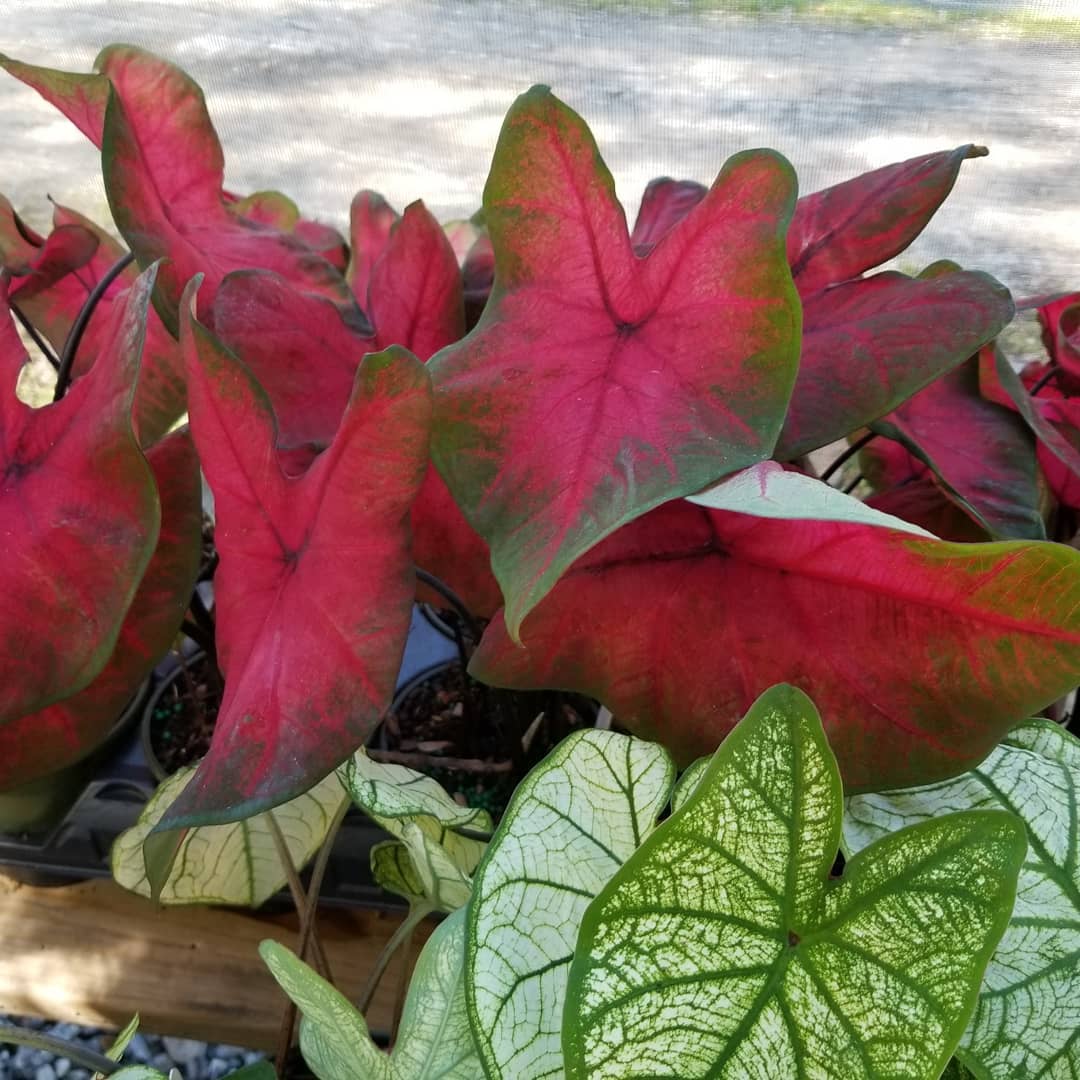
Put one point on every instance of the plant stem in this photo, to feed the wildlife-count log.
(307, 926)
(417, 914)
(849, 488)
(848, 454)
(1051, 374)
(452, 598)
(82, 320)
(296, 890)
(38, 1040)
(35, 337)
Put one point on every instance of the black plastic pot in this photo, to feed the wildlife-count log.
(40, 805)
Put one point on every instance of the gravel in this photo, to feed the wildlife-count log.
(194, 1060)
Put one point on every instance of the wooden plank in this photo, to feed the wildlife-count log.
(96, 954)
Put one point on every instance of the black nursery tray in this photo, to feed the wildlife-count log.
(78, 848)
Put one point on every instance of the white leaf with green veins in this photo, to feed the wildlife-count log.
(1027, 1021)
(393, 869)
(572, 823)
(434, 1041)
(237, 863)
(723, 949)
(395, 792)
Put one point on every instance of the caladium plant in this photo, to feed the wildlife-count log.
(598, 438)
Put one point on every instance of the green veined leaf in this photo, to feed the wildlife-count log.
(237, 863)
(688, 782)
(723, 949)
(394, 791)
(393, 869)
(1027, 1021)
(572, 822)
(434, 1040)
(432, 857)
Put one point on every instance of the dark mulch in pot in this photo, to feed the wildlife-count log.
(183, 719)
(475, 740)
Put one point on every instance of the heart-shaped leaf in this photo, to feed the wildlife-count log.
(571, 824)
(597, 384)
(919, 500)
(163, 170)
(723, 944)
(848, 228)
(40, 742)
(1028, 1015)
(434, 1041)
(921, 653)
(81, 516)
(314, 589)
(870, 344)
(1060, 321)
(237, 863)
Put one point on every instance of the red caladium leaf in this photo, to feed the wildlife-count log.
(163, 170)
(869, 345)
(598, 384)
(18, 244)
(918, 499)
(314, 589)
(665, 203)
(1060, 321)
(477, 277)
(69, 266)
(975, 448)
(302, 349)
(414, 295)
(920, 654)
(81, 98)
(80, 515)
(840, 232)
(65, 732)
(1054, 419)
(280, 212)
(371, 218)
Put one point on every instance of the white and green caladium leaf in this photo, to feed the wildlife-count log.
(434, 1041)
(692, 776)
(394, 792)
(769, 490)
(236, 863)
(1027, 1021)
(722, 948)
(431, 864)
(571, 824)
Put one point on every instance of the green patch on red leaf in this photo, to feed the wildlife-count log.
(315, 584)
(41, 742)
(80, 514)
(599, 384)
(921, 653)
